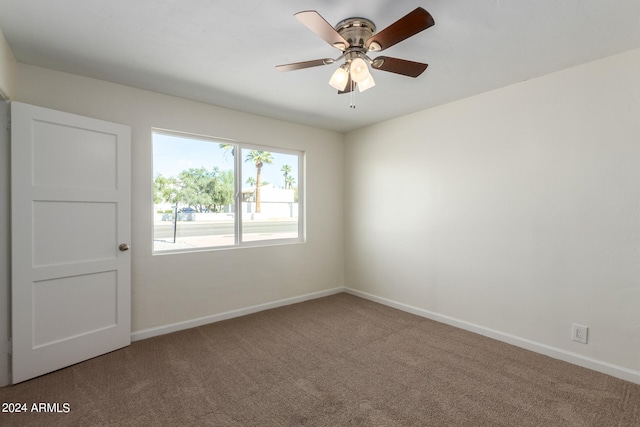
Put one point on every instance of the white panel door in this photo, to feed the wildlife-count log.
(71, 212)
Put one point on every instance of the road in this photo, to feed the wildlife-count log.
(164, 230)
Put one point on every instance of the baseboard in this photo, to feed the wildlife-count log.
(174, 327)
(556, 353)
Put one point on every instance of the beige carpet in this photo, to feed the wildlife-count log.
(335, 361)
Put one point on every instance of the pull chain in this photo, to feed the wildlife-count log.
(353, 89)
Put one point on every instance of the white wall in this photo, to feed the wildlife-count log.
(8, 70)
(168, 289)
(514, 213)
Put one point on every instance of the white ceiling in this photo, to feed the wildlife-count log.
(225, 52)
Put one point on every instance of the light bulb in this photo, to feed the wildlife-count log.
(359, 70)
(339, 79)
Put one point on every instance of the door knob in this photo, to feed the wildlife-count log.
(123, 247)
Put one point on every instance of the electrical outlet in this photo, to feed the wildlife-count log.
(580, 333)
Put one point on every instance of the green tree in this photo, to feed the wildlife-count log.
(166, 189)
(289, 181)
(251, 181)
(198, 186)
(223, 190)
(286, 170)
(228, 147)
(259, 158)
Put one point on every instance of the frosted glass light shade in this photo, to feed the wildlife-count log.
(339, 79)
(367, 83)
(359, 70)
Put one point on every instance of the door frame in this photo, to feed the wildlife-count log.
(5, 244)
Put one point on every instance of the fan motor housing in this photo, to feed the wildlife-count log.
(356, 31)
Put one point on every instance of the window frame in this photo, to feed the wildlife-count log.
(238, 216)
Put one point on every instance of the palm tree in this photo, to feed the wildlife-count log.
(251, 181)
(286, 170)
(259, 158)
(228, 147)
(289, 181)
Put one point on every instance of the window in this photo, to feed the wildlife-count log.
(211, 193)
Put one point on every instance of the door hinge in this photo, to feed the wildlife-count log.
(8, 121)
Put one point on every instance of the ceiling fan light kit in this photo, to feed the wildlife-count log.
(340, 78)
(355, 38)
(359, 70)
(367, 83)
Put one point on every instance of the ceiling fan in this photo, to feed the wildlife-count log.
(355, 38)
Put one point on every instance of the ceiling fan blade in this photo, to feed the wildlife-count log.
(305, 64)
(399, 66)
(350, 86)
(402, 29)
(321, 27)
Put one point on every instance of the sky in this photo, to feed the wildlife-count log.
(172, 154)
